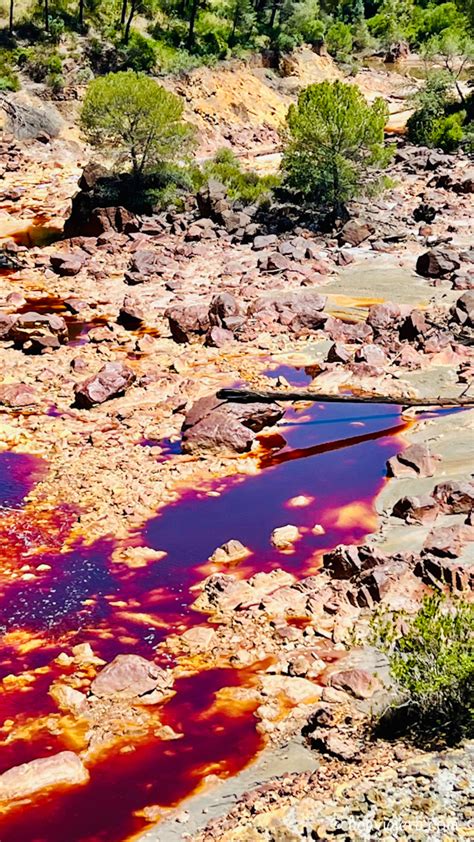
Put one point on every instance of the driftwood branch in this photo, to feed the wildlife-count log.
(249, 396)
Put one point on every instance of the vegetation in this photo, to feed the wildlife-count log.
(334, 144)
(242, 185)
(136, 120)
(431, 657)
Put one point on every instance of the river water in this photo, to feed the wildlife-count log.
(333, 454)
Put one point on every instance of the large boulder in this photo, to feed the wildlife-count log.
(112, 380)
(63, 769)
(437, 263)
(353, 233)
(462, 312)
(214, 424)
(224, 310)
(132, 678)
(416, 460)
(212, 199)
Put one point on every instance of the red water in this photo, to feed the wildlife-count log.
(333, 454)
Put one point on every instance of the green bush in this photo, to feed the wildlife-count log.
(139, 54)
(40, 63)
(9, 80)
(431, 124)
(431, 657)
(339, 40)
(244, 186)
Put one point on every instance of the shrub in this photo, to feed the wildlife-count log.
(9, 80)
(139, 54)
(334, 141)
(339, 40)
(431, 124)
(39, 63)
(247, 187)
(137, 120)
(431, 657)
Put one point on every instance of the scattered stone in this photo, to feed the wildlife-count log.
(354, 233)
(131, 677)
(283, 537)
(111, 381)
(63, 769)
(357, 682)
(229, 553)
(213, 424)
(417, 460)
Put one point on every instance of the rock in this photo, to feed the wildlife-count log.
(283, 537)
(264, 241)
(67, 698)
(17, 395)
(437, 263)
(338, 353)
(218, 337)
(132, 678)
(357, 682)
(131, 315)
(422, 510)
(344, 562)
(354, 233)
(212, 199)
(392, 583)
(447, 541)
(67, 264)
(398, 51)
(38, 331)
(6, 323)
(297, 309)
(462, 312)
(112, 380)
(297, 690)
(416, 460)
(229, 553)
(187, 320)
(63, 769)
(223, 306)
(199, 638)
(91, 174)
(383, 316)
(203, 229)
(214, 424)
(371, 354)
(425, 213)
(337, 745)
(455, 497)
(414, 326)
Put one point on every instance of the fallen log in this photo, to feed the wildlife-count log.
(248, 396)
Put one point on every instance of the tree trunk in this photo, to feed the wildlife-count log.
(235, 21)
(123, 15)
(247, 396)
(126, 34)
(192, 21)
(46, 15)
(273, 13)
(10, 20)
(81, 14)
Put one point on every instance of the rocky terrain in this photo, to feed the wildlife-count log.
(115, 342)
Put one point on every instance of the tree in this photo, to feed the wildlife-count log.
(10, 17)
(334, 141)
(431, 124)
(456, 49)
(137, 120)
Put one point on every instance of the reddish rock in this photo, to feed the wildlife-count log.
(112, 380)
(344, 562)
(413, 326)
(448, 541)
(131, 315)
(415, 460)
(437, 263)
(67, 264)
(131, 677)
(58, 770)
(218, 337)
(17, 395)
(297, 309)
(337, 745)
(223, 306)
(416, 509)
(6, 323)
(371, 354)
(213, 424)
(38, 331)
(462, 311)
(357, 682)
(354, 233)
(455, 497)
(188, 320)
(338, 353)
(384, 316)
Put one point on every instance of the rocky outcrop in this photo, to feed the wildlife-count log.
(132, 678)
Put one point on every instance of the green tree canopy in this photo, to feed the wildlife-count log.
(136, 120)
(334, 142)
